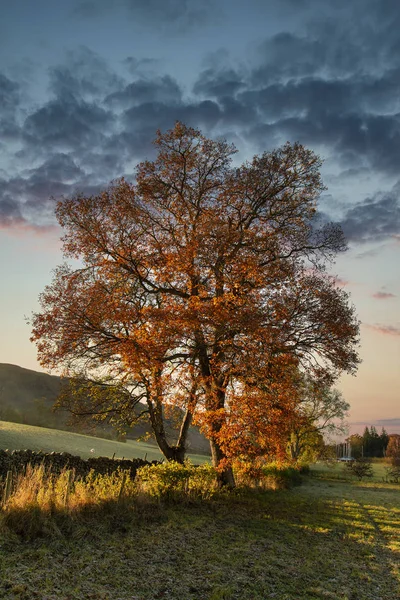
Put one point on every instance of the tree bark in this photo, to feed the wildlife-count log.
(172, 452)
(225, 477)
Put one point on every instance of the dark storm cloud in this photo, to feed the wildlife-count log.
(218, 83)
(141, 122)
(333, 84)
(10, 210)
(373, 219)
(160, 89)
(10, 95)
(84, 73)
(60, 167)
(67, 123)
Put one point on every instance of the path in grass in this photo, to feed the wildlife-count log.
(20, 437)
(324, 540)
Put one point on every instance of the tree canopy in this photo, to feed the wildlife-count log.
(201, 285)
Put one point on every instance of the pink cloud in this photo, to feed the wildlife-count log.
(383, 295)
(341, 282)
(384, 329)
(20, 227)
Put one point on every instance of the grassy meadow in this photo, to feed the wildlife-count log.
(20, 437)
(330, 538)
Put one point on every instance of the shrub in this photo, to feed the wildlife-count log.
(174, 481)
(281, 476)
(393, 471)
(268, 476)
(360, 468)
(249, 473)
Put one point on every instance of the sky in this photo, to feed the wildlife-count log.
(84, 85)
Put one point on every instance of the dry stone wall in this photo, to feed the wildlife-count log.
(18, 460)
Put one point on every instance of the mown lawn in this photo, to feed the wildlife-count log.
(327, 539)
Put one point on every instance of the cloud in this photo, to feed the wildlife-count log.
(393, 330)
(66, 123)
(375, 218)
(383, 295)
(10, 212)
(83, 74)
(341, 282)
(10, 98)
(330, 81)
(219, 83)
(159, 89)
(9, 95)
(141, 66)
(59, 167)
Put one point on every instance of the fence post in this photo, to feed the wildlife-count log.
(8, 487)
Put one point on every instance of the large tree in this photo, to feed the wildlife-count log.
(200, 285)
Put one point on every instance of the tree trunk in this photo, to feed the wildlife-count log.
(171, 452)
(225, 475)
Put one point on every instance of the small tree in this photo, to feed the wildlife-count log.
(393, 447)
(360, 468)
(200, 286)
(356, 444)
(320, 410)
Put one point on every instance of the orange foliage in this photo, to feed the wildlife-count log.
(206, 285)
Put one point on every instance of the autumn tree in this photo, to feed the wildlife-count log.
(393, 447)
(200, 285)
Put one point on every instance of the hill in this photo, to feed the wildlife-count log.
(27, 397)
(15, 436)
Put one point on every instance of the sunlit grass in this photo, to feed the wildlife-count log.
(332, 539)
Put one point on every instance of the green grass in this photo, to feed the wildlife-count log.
(327, 539)
(20, 437)
(338, 470)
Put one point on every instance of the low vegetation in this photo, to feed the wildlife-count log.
(172, 534)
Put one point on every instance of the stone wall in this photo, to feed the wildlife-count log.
(17, 461)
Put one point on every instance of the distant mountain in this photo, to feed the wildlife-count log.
(27, 397)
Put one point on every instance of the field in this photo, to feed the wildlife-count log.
(330, 538)
(20, 437)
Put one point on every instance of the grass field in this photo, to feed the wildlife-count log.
(20, 437)
(339, 471)
(327, 539)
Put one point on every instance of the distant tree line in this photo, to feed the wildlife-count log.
(370, 444)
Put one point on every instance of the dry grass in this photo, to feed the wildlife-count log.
(327, 539)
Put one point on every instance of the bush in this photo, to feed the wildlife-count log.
(268, 476)
(393, 471)
(282, 476)
(174, 481)
(360, 468)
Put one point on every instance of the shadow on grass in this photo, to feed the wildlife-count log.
(248, 546)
